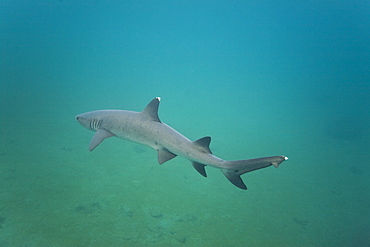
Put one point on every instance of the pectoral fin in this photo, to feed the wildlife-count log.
(99, 136)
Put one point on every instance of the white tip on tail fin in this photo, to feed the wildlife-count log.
(277, 163)
(233, 169)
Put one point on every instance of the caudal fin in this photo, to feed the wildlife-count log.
(233, 169)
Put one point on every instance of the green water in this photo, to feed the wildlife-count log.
(261, 79)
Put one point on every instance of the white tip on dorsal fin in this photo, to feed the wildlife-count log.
(203, 144)
(151, 110)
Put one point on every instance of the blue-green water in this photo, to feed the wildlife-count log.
(261, 78)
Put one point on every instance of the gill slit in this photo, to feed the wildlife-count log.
(95, 124)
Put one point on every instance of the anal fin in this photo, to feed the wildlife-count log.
(200, 168)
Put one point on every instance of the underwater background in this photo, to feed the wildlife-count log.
(262, 78)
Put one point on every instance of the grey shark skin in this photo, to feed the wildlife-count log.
(146, 128)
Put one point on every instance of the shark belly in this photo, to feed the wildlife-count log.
(161, 136)
(182, 146)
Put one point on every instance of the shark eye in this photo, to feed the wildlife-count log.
(95, 124)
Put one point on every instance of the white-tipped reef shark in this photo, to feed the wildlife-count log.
(146, 128)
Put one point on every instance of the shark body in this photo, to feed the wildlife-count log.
(146, 128)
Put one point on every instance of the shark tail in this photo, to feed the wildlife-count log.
(233, 169)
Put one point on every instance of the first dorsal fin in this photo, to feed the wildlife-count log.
(151, 110)
(203, 144)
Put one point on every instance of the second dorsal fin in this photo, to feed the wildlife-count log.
(203, 144)
(151, 110)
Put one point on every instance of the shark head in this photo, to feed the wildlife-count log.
(89, 120)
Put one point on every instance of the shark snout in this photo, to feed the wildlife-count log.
(79, 118)
(82, 120)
